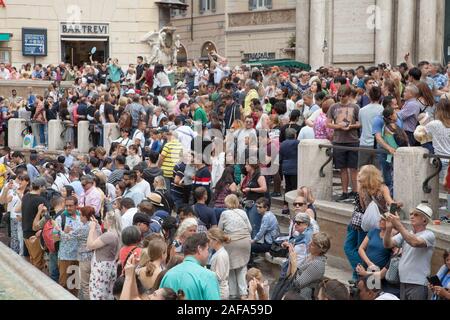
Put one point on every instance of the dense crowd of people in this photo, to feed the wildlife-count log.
(187, 187)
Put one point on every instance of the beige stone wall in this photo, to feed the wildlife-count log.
(242, 5)
(206, 28)
(128, 22)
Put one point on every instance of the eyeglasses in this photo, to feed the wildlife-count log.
(299, 204)
(299, 223)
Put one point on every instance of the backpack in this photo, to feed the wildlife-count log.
(125, 120)
(47, 239)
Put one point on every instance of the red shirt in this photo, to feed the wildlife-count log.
(123, 254)
(149, 78)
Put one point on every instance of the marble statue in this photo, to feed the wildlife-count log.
(163, 46)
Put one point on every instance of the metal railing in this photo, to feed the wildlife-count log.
(436, 162)
(329, 152)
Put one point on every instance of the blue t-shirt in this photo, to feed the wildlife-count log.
(376, 252)
(378, 125)
(205, 214)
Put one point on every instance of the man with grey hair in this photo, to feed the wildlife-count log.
(410, 113)
(91, 197)
(417, 251)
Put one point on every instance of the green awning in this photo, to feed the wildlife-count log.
(5, 36)
(280, 63)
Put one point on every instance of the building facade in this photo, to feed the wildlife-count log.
(51, 31)
(318, 32)
(342, 32)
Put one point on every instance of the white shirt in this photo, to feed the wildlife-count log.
(143, 187)
(138, 134)
(185, 136)
(387, 296)
(306, 133)
(124, 142)
(199, 77)
(61, 181)
(4, 75)
(127, 218)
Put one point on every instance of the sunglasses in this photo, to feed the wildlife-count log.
(299, 223)
(299, 204)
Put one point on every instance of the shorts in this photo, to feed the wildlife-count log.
(344, 159)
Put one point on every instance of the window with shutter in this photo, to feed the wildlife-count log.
(252, 4)
(213, 5)
(268, 4)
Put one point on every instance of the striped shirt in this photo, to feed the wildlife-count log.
(171, 153)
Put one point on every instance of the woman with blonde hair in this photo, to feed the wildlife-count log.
(235, 224)
(106, 249)
(370, 188)
(186, 229)
(157, 254)
(220, 261)
(307, 276)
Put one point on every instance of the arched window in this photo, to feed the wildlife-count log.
(206, 49)
(181, 56)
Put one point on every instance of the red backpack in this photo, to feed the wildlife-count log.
(48, 242)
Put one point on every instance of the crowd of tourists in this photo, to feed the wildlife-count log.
(187, 188)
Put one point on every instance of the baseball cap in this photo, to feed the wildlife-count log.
(131, 91)
(303, 217)
(425, 211)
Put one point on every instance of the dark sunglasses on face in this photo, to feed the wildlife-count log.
(299, 204)
(299, 223)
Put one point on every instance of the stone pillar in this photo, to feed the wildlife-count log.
(427, 30)
(55, 142)
(406, 21)
(383, 34)
(408, 179)
(317, 33)
(83, 137)
(310, 159)
(111, 132)
(302, 31)
(15, 128)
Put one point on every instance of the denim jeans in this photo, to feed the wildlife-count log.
(387, 170)
(352, 242)
(255, 219)
(53, 266)
(42, 135)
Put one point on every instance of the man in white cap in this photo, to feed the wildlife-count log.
(417, 250)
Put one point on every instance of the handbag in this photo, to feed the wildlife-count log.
(371, 218)
(277, 251)
(392, 275)
(358, 213)
(283, 285)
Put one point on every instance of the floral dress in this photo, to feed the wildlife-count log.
(104, 272)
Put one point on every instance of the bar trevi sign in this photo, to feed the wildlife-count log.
(84, 29)
(259, 56)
